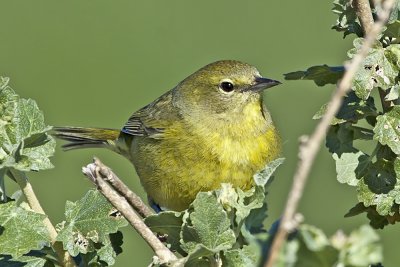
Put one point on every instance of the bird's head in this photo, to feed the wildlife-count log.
(221, 88)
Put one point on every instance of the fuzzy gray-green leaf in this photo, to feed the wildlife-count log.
(347, 21)
(88, 221)
(262, 177)
(23, 261)
(348, 165)
(208, 225)
(393, 93)
(387, 129)
(22, 230)
(377, 70)
(24, 142)
(111, 248)
(242, 257)
(380, 186)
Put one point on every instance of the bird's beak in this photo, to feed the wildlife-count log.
(261, 83)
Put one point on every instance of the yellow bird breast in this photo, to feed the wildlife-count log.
(199, 158)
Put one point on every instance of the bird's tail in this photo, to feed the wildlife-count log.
(79, 137)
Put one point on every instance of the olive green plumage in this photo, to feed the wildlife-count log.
(212, 128)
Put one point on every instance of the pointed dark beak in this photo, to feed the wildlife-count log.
(261, 84)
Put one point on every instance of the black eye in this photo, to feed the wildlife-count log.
(226, 86)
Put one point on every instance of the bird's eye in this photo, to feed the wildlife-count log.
(226, 87)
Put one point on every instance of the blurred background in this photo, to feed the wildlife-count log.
(93, 63)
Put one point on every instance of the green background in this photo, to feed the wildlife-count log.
(93, 63)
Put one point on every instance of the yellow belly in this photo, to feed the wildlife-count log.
(174, 170)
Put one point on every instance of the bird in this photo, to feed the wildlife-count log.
(211, 128)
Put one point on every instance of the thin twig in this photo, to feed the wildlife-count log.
(134, 200)
(64, 258)
(310, 146)
(92, 171)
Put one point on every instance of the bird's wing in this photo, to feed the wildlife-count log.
(152, 119)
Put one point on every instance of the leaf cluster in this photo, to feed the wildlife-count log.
(312, 247)
(24, 142)
(90, 231)
(348, 22)
(364, 138)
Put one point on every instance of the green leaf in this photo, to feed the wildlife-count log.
(24, 142)
(21, 230)
(254, 221)
(105, 253)
(352, 109)
(262, 177)
(110, 249)
(393, 53)
(377, 70)
(242, 257)
(242, 202)
(246, 208)
(208, 224)
(347, 21)
(23, 261)
(252, 208)
(380, 187)
(200, 256)
(380, 177)
(378, 221)
(356, 210)
(167, 223)
(387, 129)
(321, 75)
(340, 138)
(88, 221)
(349, 165)
(350, 162)
(393, 93)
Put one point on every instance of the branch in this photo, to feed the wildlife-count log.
(64, 258)
(95, 172)
(310, 146)
(134, 200)
(364, 14)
